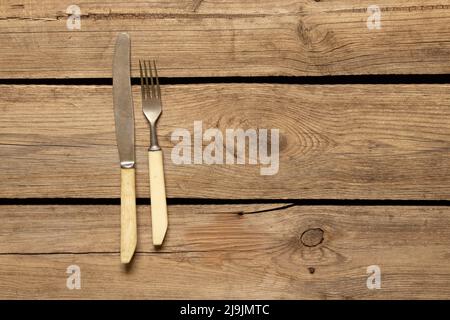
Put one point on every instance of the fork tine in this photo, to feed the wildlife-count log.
(142, 80)
(151, 80)
(147, 89)
(158, 89)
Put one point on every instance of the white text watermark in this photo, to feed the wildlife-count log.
(74, 279)
(374, 19)
(374, 279)
(233, 142)
(73, 22)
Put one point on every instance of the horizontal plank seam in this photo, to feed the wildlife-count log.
(325, 80)
(56, 253)
(210, 201)
(159, 252)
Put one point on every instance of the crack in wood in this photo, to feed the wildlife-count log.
(393, 9)
(147, 15)
(156, 252)
(29, 18)
(17, 6)
(284, 207)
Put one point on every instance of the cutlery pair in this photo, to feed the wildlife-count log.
(124, 120)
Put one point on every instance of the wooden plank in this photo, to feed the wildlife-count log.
(291, 253)
(59, 229)
(226, 38)
(379, 142)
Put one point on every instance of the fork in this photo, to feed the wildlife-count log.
(151, 105)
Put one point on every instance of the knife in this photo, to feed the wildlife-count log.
(124, 120)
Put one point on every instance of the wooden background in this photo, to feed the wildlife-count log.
(364, 177)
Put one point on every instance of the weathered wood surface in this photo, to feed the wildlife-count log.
(226, 38)
(215, 252)
(377, 142)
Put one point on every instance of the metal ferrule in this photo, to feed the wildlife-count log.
(153, 138)
(127, 164)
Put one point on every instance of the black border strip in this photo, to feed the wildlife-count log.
(276, 309)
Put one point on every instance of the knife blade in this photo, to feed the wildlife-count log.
(123, 101)
(124, 123)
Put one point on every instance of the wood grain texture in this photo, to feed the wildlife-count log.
(223, 252)
(336, 142)
(226, 38)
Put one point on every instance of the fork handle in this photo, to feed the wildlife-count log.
(128, 234)
(158, 196)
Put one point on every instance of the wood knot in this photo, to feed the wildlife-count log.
(312, 237)
(304, 33)
(314, 36)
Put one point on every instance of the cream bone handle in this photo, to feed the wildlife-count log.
(158, 196)
(128, 227)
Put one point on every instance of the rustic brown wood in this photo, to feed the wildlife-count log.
(258, 253)
(377, 142)
(59, 229)
(226, 38)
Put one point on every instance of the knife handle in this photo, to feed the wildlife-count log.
(158, 196)
(128, 235)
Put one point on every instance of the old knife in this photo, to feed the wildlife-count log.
(124, 120)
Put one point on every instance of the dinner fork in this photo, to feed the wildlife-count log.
(151, 105)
